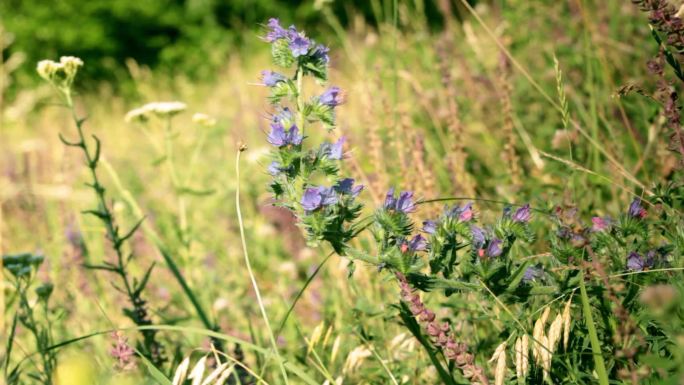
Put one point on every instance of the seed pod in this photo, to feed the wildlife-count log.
(566, 323)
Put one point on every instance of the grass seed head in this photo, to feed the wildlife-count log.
(500, 357)
(181, 372)
(356, 358)
(566, 323)
(335, 348)
(555, 332)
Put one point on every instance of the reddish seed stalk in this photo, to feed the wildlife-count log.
(441, 336)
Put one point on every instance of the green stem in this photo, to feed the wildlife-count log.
(249, 269)
(593, 336)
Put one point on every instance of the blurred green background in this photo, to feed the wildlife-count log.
(192, 37)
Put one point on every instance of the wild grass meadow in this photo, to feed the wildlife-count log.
(328, 192)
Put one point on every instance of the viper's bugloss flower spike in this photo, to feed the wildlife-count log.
(532, 273)
(284, 117)
(331, 97)
(429, 227)
(478, 236)
(390, 200)
(523, 214)
(346, 187)
(274, 168)
(417, 243)
(636, 262)
(636, 210)
(299, 44)
(405, 202)
(320, 52)
(466, 213)
(494, 248)
(335, 151)
(315, 198)
(271, 78)
(276, 31)
(280, 138)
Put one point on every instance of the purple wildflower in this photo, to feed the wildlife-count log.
(466, 213)
(280, 138)
(600, 224)
(311, 200)
(430, 227)
(405, 202)
(478, 237)
(299, 44)
(331, 97)
(522, 214)
(335, 151)
(274, 168)
(418, 243)
(390, 200)
(275, 31)
(284, 116)
(636, 210)
(531, 274)
(346, 187)
(317, 197)
(271, 78)
(494, 248)
(320, 52)
(635, 262)
(463, 214)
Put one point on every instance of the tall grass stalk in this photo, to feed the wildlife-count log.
(593, 336)
(274, 345)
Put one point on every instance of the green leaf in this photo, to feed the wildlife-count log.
(154, 372)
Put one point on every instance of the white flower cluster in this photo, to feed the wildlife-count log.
(159, 109)
(60, 73)
(204, 120)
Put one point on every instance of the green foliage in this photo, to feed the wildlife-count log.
(33, 314)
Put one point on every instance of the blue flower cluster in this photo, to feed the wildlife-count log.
(326, 211)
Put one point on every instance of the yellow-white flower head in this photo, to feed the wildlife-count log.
(204, 120)
(167, 109)
(71, 64)
(140, 115)
(47, 69)
(60, 74)
(159, 109)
